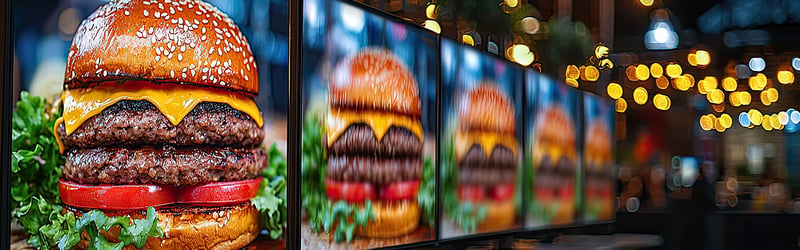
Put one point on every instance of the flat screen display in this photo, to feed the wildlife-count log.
(368, 136)
(598, 160)
(481, 103)
(552, 156)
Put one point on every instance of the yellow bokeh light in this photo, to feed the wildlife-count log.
(640, 95)
(681, 83)
(512, 3)
(692, 58)
(776, 121)
(729, 84)
(674, 70)
(522, 54)
(735, 99)
(642, 72)
(772, 94)
(707, 122)
(766, 125)
(785, 77)
(467, 39)
(718, 126)
(715, 96)
(757, 82)
(591, 73)
(725, 120)
(745, 97)
(701, 87)
(656, 70)
(614, 90)
(622, 105)
(662, 82)
(432, 25)
(600, 51)
(647, 3)
(572, 82)
(662, 102)
(691, 79)
(755, 116)
(572, 72)
(431, 11)
(703, 57)
(711, 82)
(765, 98)
(630, 72)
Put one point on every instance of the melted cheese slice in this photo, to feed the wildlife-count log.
(487, 141)
(339, 120)
(174, 101)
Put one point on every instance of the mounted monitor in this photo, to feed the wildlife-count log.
(552, 158)
(368, 138)
(481, 118)
(599, 184)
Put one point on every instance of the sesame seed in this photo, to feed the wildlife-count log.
(172, 10)
(205, 69)
(127, 13)
(211, 51)
(183, 75)
(157, 14)
(180, 57)
(205, 21)
(146, 13)
(158, 58)
(172, 73)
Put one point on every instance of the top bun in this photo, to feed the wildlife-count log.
(374, 79)
(183, 42)
(598, 142)
(555, 130)
(487, 108)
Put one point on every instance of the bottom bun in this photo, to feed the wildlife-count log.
(392, 219)
(193, 227)
(499, 216)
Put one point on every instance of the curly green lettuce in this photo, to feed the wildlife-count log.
(325, 215)
(271, 198)
(467, 215)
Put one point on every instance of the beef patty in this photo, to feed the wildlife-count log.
(359, 139)
(139, 122)
(501, 157)
(374, 170)
(163, 165)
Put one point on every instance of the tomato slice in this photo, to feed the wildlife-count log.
(219, 193)
(502, 192)
(404, 190)
(472, 193)
(115, 196)
(349, 191)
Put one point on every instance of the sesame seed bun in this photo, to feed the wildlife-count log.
(392, 219)
(193, 227)
(374, 79)
(487, 108)
(183, 42)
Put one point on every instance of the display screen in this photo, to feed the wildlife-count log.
(368, 136)
(481, 115)
(552, 158)
(598, 160)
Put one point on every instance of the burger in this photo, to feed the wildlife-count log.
(486, 153)
(555, 158)
(158, 111)
(599, 180)
(374, 141)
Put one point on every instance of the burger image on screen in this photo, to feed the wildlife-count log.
(374, 140)
(599, 180)
(486, 154)
(158, 111)
(554, 158)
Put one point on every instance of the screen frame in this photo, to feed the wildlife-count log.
(611, 105)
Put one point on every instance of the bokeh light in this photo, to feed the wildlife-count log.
(572, 72)
(755, 116)
(662, 102)
(621, 105)
(744, 119)
(591, 73)
(729, 84)
(642, 72)
(703, 58)
(785, 77)
(656, 70)
(640, 95)
(757, 64)
(674, 70)
(662, 82)
(715, 96)
(614, 90)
